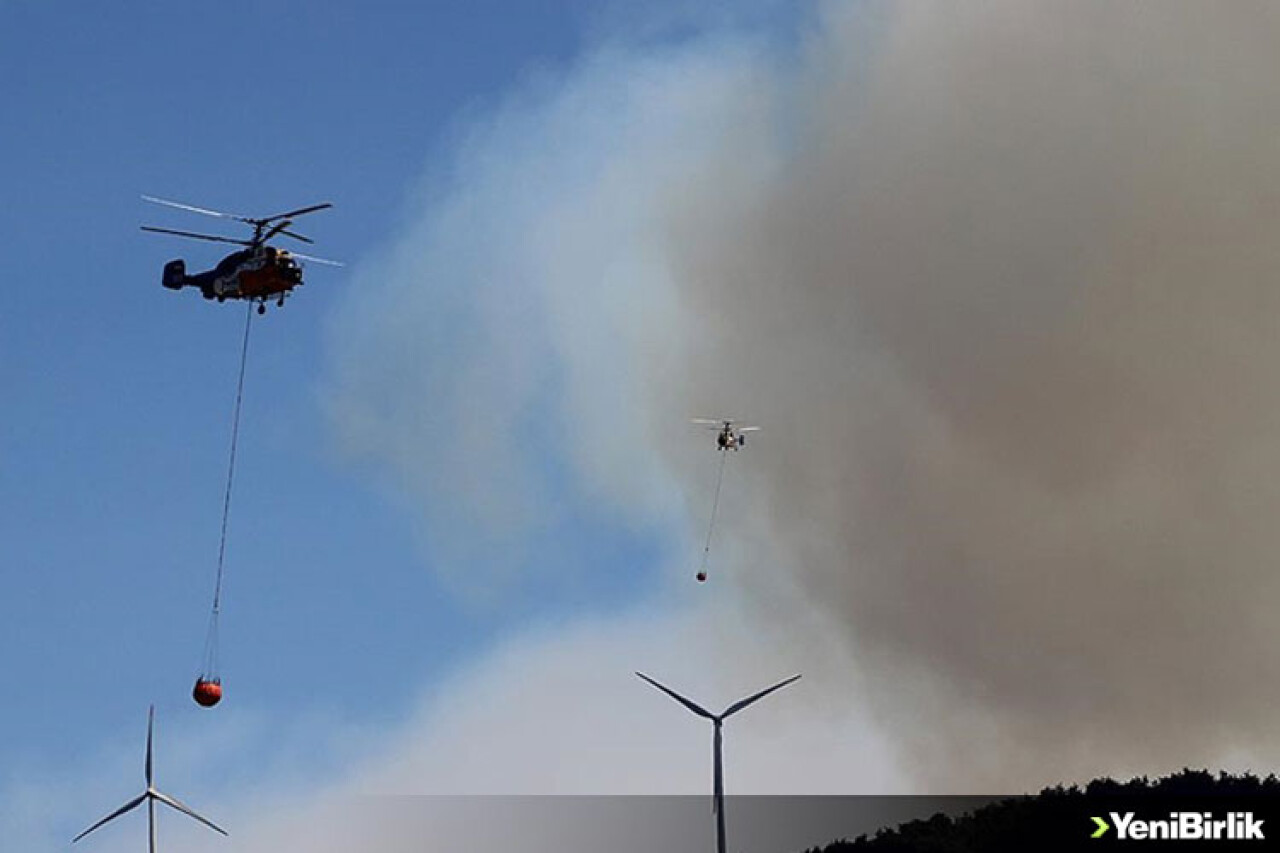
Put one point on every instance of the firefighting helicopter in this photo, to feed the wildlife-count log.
(258, 272)
(731, 437)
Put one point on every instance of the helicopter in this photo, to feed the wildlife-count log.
(258, 272)
(730, 436)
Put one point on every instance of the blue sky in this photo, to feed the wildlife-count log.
(112, 483)
(120, 392)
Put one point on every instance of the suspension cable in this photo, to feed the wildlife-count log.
(706, 551)
(211, 641)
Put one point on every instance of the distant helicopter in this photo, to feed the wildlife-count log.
(258, 272)
(730, 437)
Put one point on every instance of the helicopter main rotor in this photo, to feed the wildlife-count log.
(194, 236)
(263, 227)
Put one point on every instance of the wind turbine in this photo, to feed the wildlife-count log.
(717, 720)
(150, 795)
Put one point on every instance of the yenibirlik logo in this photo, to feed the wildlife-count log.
(1183, 826)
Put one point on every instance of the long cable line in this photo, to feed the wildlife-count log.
(210, 673)
(706, 551)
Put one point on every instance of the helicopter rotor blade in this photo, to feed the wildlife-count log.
(287, 233)
(749, 429)
(206, 211)
(711, 421)
(313, 259)
(249, 219)
(276, 229)
(194, 236)
(299, 212)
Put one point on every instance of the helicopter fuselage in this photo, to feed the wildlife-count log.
(728, 439)
(257, 273)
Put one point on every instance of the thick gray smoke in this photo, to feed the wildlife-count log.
(1008, 306)
(997, 278)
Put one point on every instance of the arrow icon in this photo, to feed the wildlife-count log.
(1102, 828)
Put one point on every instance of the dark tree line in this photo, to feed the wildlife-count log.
(1058, 817)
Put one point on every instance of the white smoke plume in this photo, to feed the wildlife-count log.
(996, 278)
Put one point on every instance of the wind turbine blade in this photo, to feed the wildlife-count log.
(692, 706)
(742, 703)
(132, 804)
(186, 810)
(151, 716)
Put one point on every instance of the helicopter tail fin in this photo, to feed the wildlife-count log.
(175, 275)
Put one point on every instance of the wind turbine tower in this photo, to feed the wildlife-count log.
(150, 796)
(717, 721)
